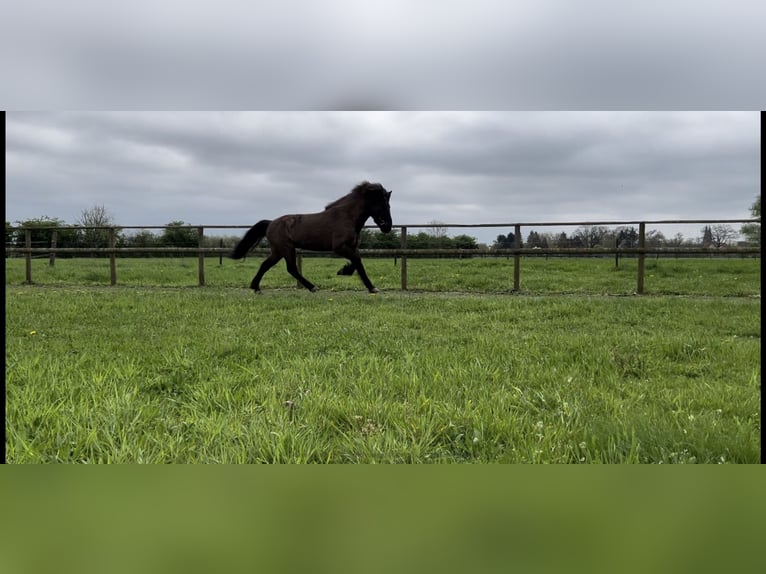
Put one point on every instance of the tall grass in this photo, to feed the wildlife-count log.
(168, 374)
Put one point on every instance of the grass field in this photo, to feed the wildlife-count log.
(155, 372)
(556, 275)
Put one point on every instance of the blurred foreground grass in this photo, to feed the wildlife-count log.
(380, 519)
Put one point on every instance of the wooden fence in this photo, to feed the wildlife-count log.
(641, 251)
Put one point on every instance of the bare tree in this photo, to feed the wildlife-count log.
(591, 236)
(437, 229)
(95, 217)
(676, 241)
(722, 235)
(655, 238)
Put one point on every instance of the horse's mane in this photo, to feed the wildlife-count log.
(352, 195)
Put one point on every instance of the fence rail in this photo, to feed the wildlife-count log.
(402, 253)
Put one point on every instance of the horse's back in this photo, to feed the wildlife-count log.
(303, 230)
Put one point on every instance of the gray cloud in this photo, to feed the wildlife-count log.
(233, 168)
(429, 54)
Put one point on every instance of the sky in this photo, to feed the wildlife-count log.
(235, 168)
(397, 54)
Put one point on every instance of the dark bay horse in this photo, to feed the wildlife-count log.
(338, 229)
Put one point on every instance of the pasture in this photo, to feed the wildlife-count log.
(156, 370)
(539, 275)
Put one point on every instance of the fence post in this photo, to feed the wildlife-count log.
(641, 257)
(516, 258)
(28, 245)
(404, 259)
(54, 237)
(112, 258)
(201, 256)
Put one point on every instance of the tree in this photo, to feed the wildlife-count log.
(91, 219)
(677, 241)
(42, 237)
(655, 238)
(534, 239)
(437, 228)
(143, 238)
(591, 236)
(374, 239)
(752, 231)
(626, 237)
(390, 240)
(178, 234)
(722, 235)
(464, 242)
(576, 241)
(10, 235)
(505, 241)
(548, 239)
(420, 240)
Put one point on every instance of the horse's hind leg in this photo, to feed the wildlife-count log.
(292, 268)
(267, 264)
(347, 269)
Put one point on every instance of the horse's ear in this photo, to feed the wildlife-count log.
(388, 195)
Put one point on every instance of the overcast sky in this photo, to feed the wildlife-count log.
(396, 54)
(234, 168)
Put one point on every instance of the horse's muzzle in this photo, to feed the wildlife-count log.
(385, 226)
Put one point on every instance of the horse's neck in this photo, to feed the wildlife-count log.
(357, 213)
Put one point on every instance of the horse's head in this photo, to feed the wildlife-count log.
(378, 206)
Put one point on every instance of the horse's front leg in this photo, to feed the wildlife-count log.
(356, 265)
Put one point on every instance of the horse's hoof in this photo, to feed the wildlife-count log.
(257, 292)
(374, 291)
(313, 289)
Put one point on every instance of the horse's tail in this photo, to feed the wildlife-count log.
(251, 238)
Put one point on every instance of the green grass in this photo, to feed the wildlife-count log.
(555, 275)
(169, 374)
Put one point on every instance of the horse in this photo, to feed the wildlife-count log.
(338, 229)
